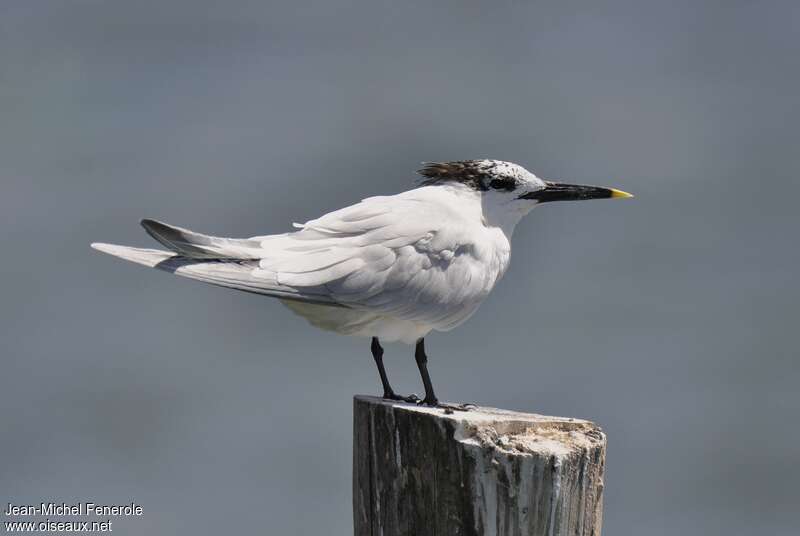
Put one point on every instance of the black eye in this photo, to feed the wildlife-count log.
(502, 184)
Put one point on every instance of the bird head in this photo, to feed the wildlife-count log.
(510, 185)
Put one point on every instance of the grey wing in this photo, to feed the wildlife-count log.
(396, 257)
(199, 246)
(388, 255)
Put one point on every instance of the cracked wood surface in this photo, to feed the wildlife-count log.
(421, 471)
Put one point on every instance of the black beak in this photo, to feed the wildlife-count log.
(556, 191)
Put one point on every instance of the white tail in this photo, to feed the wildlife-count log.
(235, 274)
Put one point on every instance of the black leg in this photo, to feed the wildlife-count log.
(422, 363)
(377, 354)
(388, 392)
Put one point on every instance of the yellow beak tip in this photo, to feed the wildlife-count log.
(619, 194)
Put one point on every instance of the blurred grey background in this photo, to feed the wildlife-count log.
(671, 320)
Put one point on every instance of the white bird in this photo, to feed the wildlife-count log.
(389, 267)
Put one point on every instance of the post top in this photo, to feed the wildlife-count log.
(508, 431)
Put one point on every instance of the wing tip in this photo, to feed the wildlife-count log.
(152, 226)
(147, 257)
(102, 247)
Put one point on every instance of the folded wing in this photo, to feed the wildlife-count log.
(223, 273)
(400, 256)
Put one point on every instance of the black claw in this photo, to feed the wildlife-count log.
(411, 399)
(432, 402)
(448, 408)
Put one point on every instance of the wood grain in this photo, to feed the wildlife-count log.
(421, 471)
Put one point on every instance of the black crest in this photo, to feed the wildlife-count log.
(474, 173)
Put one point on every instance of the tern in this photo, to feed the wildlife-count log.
(390, 268)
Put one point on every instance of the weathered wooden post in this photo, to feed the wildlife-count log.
(420, 471)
